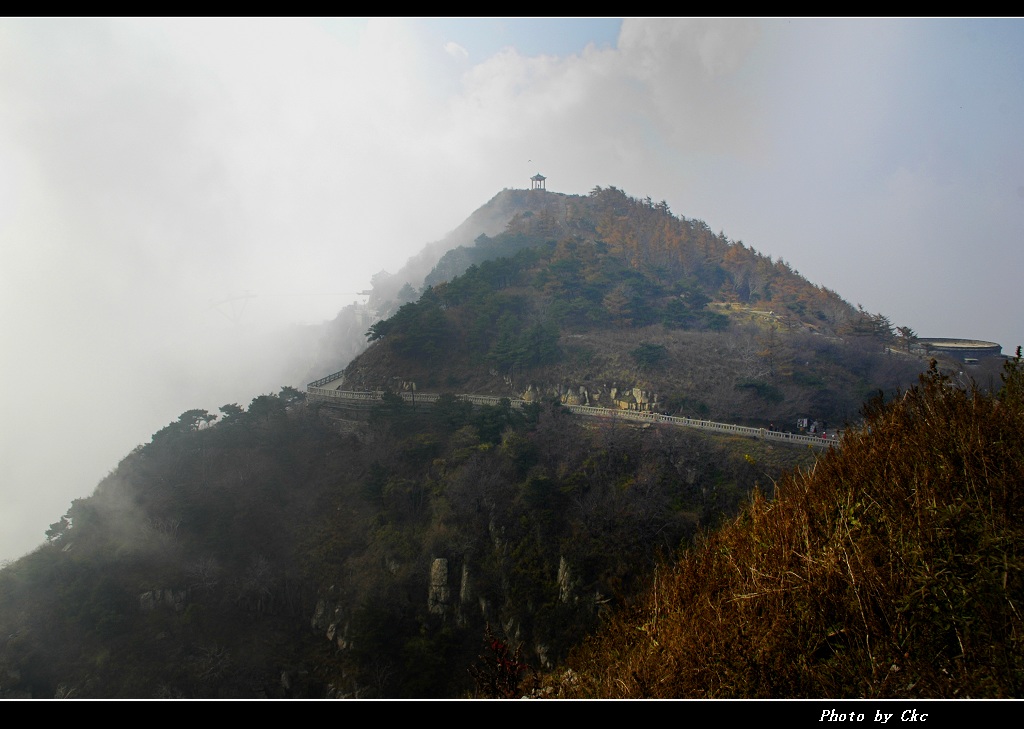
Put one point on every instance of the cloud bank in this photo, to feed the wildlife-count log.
(173, 190)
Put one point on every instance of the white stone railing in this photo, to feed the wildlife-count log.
(325, 380)
(350, 396)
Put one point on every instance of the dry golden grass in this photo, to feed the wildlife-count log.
(891, 569)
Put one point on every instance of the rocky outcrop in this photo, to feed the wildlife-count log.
(438, 596)
(626, 398)
(564, 581)
(174, 599)
(330, 618)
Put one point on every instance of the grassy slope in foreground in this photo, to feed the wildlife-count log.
(891, 569)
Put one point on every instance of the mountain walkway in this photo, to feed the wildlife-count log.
(317, 392)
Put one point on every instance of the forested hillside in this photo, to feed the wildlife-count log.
(263, 553)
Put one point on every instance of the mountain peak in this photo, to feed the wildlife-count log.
(592, 296)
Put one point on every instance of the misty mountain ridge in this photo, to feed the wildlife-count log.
(344, 337)
(293, 549)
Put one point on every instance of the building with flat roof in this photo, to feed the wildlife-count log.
(961, 349)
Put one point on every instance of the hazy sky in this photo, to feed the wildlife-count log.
(150, 169)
